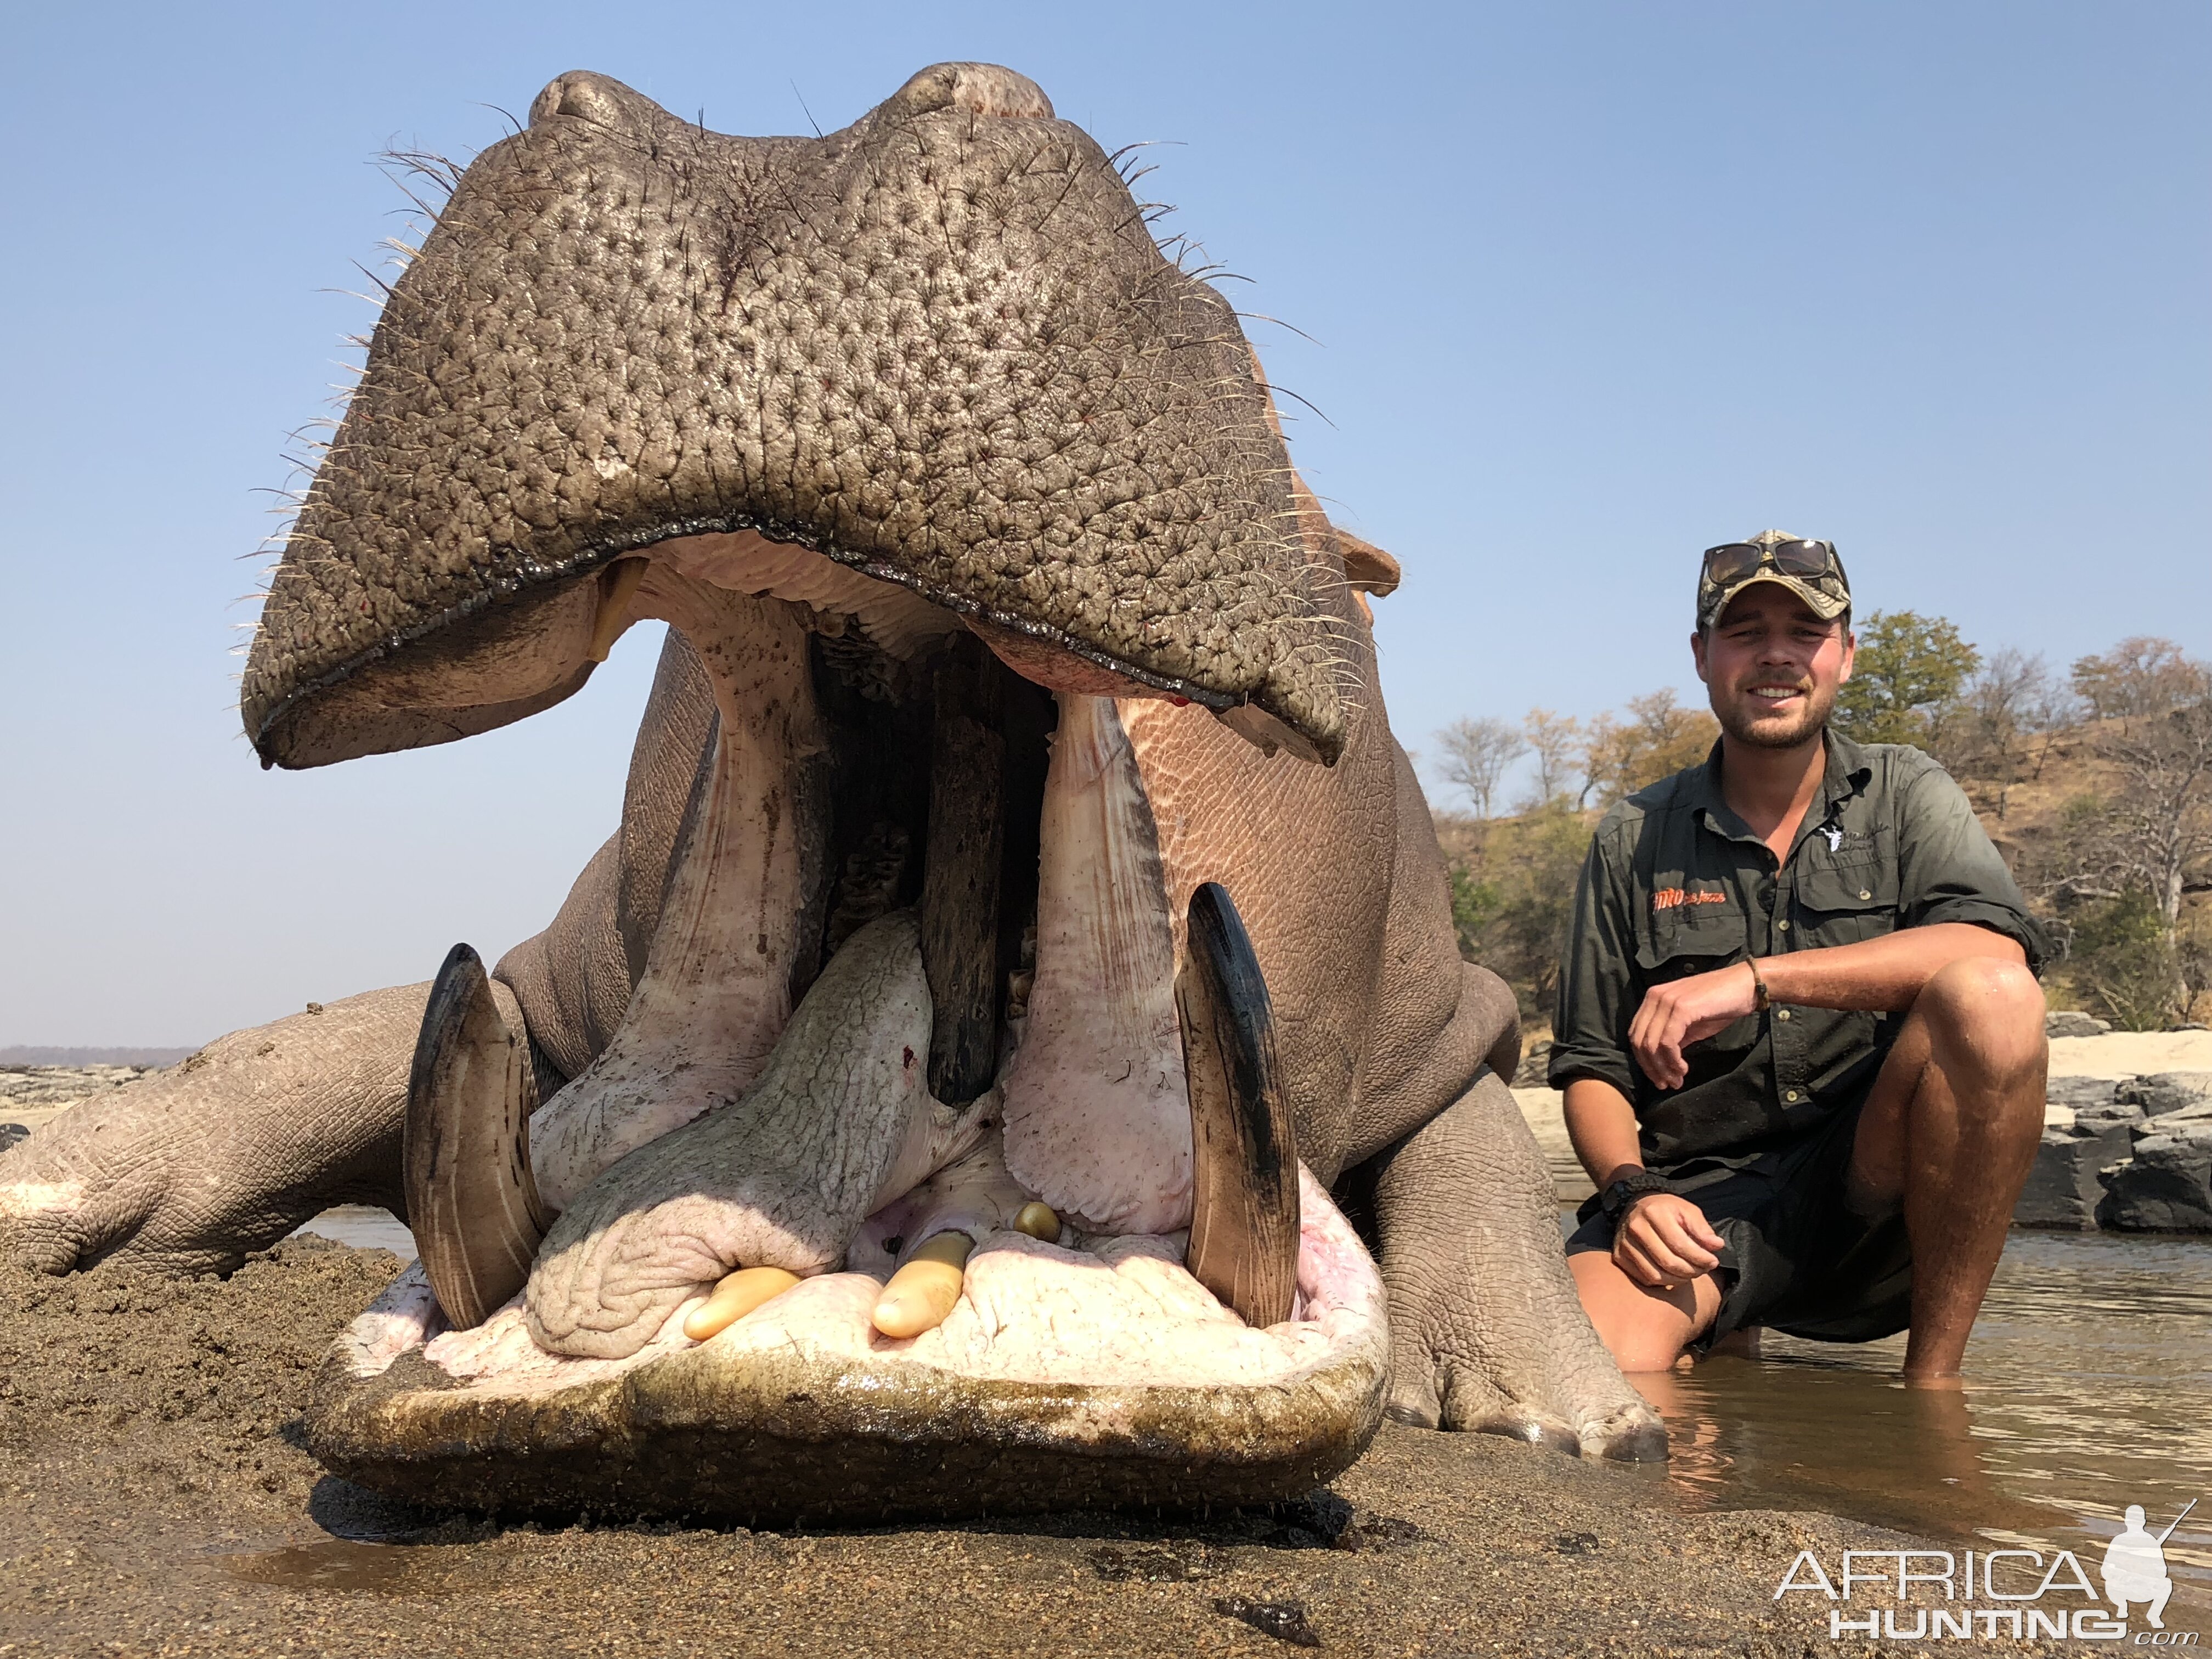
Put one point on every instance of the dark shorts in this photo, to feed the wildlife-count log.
(1794, 1256)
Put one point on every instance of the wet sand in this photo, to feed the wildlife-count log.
(154, 1499)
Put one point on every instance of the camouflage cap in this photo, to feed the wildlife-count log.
(1828, 593)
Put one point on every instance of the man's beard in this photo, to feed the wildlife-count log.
(1765, 732)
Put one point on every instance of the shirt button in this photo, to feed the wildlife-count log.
(1781, 1013)
(1790, 1094)
(1865, 893)
(1784, 924)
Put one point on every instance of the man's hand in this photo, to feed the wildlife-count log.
(1685, 1010)
(1665, 1240)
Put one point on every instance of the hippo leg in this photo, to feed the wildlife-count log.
(189, 1170)
(1485, 1330)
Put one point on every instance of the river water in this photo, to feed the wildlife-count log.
(2089, 1388)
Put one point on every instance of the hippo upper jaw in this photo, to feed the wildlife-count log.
(938, 347)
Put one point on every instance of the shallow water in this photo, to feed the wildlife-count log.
(2088, 1389)
(365, 1228)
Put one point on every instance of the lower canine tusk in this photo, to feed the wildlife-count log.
(617, 583)
(470, 1198)
(1244, 1220)
(921, 1294)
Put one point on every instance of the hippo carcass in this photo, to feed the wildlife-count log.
(1015, 793)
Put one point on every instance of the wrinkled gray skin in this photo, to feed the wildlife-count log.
(1006, 403)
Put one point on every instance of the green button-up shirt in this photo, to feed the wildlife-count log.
(1676, 883)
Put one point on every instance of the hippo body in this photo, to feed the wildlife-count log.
(1001, 636)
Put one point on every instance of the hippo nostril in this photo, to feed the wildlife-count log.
(981, 88)
(594, 97)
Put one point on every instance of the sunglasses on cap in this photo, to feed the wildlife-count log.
(1732, 561)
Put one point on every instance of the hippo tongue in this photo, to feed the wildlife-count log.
(840, 1116)
(1097, 1120)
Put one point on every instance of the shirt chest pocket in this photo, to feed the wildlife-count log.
(1675, 947)
(1842, 904)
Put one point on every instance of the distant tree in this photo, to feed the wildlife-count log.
(1476, 753)
(2124, 859)
(1659, 737)
(2140, 676)
(2009, 711)
(1513, 896)
(1556, 740)
(1906, 683)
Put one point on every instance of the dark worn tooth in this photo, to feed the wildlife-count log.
(470, 1198)
(1244, 1220)
(960, 931)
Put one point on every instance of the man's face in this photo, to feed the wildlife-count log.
(1771, 667)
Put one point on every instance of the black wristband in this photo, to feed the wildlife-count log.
(1616, 1198)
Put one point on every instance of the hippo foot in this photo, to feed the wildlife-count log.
(1487, 1333)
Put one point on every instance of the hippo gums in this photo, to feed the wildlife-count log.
(1023, 929)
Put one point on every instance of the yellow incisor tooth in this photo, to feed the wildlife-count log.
(1038, 1221)
(736, 1295)
(921, 1295)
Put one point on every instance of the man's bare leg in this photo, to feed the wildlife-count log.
(1950, 1130)
(1642, 1329)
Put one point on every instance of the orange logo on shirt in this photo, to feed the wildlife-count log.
(1671, 898)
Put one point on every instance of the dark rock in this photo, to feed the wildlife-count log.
(2080, 1092)
(2167, 1091)
(2166, 1186)
(1152, 1563)
(2190, 1123)
(1284, 1621)
(10, 1133)
(2112, 1114)
(1576, 1543)
(2064, 1188)
(2072, 1023)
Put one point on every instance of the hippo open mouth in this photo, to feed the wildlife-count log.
(999, 1022)
(966, 1100)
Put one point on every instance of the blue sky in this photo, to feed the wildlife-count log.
(1589, 285)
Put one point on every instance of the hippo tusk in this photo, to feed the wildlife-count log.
(1244, 1219)
(922, 1293)
(471, 1200)
(960, 944)
(737, 1294)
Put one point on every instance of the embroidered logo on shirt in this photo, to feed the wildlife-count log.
(1671, 898)
(1835, 837)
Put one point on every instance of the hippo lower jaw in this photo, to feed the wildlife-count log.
(723, 1128)
(1066, 1379)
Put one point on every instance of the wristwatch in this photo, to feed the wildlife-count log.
(1643, 1183)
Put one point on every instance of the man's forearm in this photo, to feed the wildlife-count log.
(1602, 1126)
(1881, 974)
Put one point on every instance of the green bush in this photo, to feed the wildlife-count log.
(2124, 964)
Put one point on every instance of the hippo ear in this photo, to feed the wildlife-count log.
(1366, 566)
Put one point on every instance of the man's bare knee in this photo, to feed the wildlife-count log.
(1987, 1013)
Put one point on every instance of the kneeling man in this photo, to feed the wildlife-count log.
(1799, 1028)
